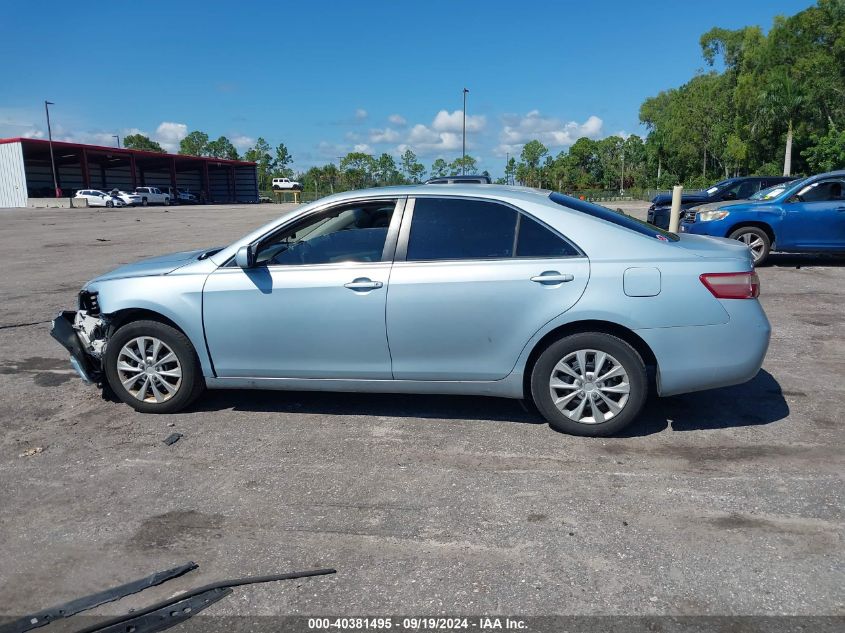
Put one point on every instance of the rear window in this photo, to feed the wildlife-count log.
(614, 217)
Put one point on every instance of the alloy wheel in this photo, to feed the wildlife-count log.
(149, 370)
(753, 242)
(589, 386)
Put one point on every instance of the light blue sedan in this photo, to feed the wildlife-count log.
(445, 289)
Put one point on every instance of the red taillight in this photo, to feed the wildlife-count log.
(732, 285)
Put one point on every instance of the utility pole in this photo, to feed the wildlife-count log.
(47, 105)
(464, 137)
(117, 136)
(507, 166)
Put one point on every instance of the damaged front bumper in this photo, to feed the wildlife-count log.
(83, 335)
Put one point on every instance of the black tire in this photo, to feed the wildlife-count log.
(109, 204)
(167, 202)
(144, 202)
(624, 354)
(192, 384)
(751, 234)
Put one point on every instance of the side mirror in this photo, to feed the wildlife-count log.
(729, 195)
(245, 257)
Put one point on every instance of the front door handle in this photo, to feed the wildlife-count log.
(363, 283)
(551, 277)
(840, 209)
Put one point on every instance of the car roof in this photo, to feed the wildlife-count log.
(839, 173)
(453, 189)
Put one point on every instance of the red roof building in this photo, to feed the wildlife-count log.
(26, 171)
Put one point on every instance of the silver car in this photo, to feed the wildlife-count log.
(444, 289)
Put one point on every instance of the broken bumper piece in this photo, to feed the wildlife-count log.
(64, 330)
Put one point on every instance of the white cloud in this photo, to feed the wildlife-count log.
(397, 119)
(331, 150)
(443, 135)
(26, 123)
(360, 114)
(169, 134)
(550, 131)
(387, 135)
(243, 142)
(363, 147)
(446, 122)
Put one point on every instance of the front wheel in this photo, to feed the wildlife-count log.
(144, 202)
(167, 202)
(591, 384)
(757, 241)
(153, 367)
(109, 204)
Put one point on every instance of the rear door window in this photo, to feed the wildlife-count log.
(535, 240)
(454, 228)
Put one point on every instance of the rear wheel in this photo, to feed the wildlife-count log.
(756, 239)
(167, 202)
(591, 384)
(153, 367)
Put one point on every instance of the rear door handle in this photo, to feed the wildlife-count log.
(363, 283)
(552, 277)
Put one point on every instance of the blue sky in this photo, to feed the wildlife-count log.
(326, 78)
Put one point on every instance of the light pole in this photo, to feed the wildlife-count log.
(507, 166)
(47, 105)
(464, 137)
(117, 136)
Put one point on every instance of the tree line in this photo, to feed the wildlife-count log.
(772, 103)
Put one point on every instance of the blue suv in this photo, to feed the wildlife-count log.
(802, 216)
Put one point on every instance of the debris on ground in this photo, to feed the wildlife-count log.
(66, 610)
(31, 451)
(173, 438)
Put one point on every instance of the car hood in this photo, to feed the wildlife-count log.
(161, 265)
(665, 199)
(712, 206)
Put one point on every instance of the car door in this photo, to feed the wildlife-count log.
(815, 216)
(313, 305)
(473, 280)
(95, 199)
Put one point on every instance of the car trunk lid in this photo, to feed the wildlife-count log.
(714, 247)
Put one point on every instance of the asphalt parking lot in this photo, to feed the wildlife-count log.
(723, 502)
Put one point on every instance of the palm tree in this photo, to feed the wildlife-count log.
(782, 101)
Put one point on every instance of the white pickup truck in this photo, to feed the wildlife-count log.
(286, 183)
(152, 195)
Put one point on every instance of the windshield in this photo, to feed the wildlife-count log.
(614, 217)
(719, 185)
(772, 192)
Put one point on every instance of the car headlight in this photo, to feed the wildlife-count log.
(709, 216)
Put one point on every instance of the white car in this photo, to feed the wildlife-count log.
(186, 197)
(286, 183)
(129, 199)
(152, 195)
(97, 198)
